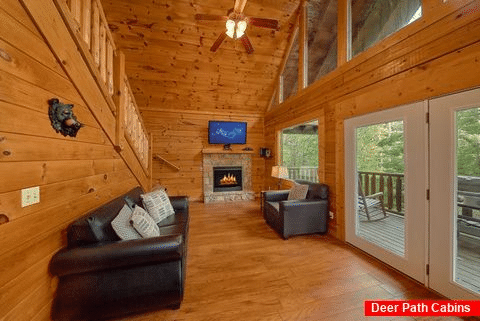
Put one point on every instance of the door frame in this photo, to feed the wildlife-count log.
(443, 200)
(416, 218)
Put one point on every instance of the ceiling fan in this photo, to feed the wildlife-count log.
(236, 24)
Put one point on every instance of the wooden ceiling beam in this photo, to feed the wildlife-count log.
(302, 46)
(278, 80)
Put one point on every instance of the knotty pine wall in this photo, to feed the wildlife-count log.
(437, 55)
(74, 174)
(180, 136)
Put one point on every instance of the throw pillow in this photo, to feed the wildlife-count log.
(157, 205)
(121, 225)
(298, 192)
(144, 223)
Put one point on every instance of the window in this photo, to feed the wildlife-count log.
(299, 146)
(374, 20)
(322, 38)
(290, 73)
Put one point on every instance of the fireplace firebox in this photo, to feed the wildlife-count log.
(227, 179)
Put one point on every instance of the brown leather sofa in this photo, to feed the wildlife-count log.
(102, 277)
(297, 217)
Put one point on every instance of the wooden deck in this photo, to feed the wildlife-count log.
(389, 233)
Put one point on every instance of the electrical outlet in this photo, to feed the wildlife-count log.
(30, 196)
(331, 215)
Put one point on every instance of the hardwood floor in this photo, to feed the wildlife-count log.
(240, 269)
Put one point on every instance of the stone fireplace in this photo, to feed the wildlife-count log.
(227, 176)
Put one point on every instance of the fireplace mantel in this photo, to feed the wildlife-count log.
(222, 151)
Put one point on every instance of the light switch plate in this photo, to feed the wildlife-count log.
(30, 196)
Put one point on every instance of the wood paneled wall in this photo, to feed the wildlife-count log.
(74, 174)
(436, 55)
(180, 136)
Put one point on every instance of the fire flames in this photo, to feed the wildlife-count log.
(228, 180)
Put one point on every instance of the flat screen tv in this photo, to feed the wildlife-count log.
(227, 132)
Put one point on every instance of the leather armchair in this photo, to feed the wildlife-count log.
(110, 278)
(297, 217)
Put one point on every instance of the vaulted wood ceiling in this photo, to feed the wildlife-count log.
(169, 62)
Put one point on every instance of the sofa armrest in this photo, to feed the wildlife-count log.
(104, 256)
(276, 196)
(179, 203)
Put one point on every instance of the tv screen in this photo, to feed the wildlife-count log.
(227, 132)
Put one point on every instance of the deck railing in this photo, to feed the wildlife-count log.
(391, 184)
(304, 173)
(89, 26)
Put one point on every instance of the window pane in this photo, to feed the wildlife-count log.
(374, 20)
(322, 38)
(290, 73)
(467, 254)
(381, 185)
(300, 151)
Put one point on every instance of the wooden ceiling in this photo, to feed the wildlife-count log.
(171, 67)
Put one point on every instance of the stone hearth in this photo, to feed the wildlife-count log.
(227, 158)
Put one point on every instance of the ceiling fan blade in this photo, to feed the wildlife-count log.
(247, 44)
(201, 16)
(239, 5)
(264, 23)
(218, 42)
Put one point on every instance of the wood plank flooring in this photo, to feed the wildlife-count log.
(240, 269)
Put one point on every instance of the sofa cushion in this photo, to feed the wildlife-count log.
(96, 228)
(318, 191)
(179, 217)
(298, 192)
(79, 232)
(157, 205)
(315, 190)
(144, 223)
(177, 229)
(123, 228)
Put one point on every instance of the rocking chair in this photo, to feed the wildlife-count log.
(370, 207)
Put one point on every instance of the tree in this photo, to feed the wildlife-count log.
(468, 142)
(380, 148)
(299, 150)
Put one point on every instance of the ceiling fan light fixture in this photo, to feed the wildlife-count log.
(241, 27)
(230, 25)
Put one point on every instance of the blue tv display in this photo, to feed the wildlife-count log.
(227, 132)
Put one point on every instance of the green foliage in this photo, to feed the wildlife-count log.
(468, 142)
(299, 150)
(380, 148)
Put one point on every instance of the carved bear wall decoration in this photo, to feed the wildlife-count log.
(62, 118)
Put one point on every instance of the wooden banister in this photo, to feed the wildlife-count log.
(88, 27)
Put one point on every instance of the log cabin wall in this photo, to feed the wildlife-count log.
(180, 137)
(437, 55)
(74, 174)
